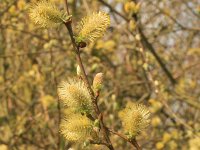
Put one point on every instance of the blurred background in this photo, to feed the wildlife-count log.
(151, 56)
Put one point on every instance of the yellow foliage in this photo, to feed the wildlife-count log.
(175, 134)
(1, 79)
(109, 45)
(21, 4)
(12, 10)
(131, 7)
(172, 145)
(160, 145)
(193, 51)
(166, 137)
(47, 100)
(194, 144)
(155, 121)
(132, 25)
(3, 147)
(155, 105)
(28, 70)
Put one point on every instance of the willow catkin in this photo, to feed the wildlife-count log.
(73, 93)
(76, 128)
(45, 14)
(92, 27)
(135, 118)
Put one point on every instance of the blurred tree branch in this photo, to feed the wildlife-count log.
(145, 43)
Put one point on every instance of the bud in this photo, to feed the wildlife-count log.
(138, 37)
(132, 25)
(86, 143)
(97, 82)
(78, 70)
(82, 44)
(96, 125)
(132, 7)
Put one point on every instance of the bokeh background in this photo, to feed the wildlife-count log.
(154, 60)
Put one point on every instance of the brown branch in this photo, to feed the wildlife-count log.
(66, 4)
(113, 10)
(145, 43)
(98, 142)
(94, 100)
(133, 142)
(196, 29)
(187, 99)
(149, 46)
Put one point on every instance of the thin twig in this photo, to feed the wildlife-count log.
(133, 142)
(66, 4)
(145, 43)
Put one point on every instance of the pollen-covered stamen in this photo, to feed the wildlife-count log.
(92, 27)
(76, 128)
(46, 14)
(135, 118)
(74, 93)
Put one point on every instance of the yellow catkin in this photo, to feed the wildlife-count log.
(131, 7)
(93, 26)
(46, 14)
(76, 128)
(73, 93)
(135, 118)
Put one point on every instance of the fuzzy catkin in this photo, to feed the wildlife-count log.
(135, 118)
(73, 93)
(46, 14)
(92, 27)
(76, 128)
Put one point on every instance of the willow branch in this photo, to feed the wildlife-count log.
(149, 46)
(133, 142)
(145, 43)
(85, 78)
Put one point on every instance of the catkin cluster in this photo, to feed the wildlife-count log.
(76, 124)
(76, 99)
